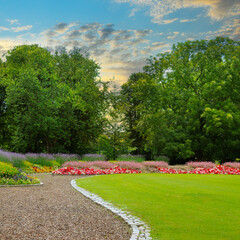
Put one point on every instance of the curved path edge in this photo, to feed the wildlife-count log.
(140, 231)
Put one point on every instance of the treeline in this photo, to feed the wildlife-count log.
(184, 105)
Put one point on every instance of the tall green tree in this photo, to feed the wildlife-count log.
(3, 109)
(55, 102)
(133, 98)
(115, 138)
(192, 110)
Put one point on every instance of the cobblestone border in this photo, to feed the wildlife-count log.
(140, 231)
(23, 185)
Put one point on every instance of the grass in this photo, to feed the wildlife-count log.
(176, 206)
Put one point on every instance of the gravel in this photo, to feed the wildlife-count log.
(56, 211)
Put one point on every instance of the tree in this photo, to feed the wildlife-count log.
(193, 108)
(55, 103)
(114, 140)
(3, 126)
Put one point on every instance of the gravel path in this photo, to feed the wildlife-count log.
(56, 211)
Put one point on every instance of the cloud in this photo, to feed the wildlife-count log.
(231, 30)
(16, 29)
(7, 44)
(122, 35)
(106, 32)
(118, 51)
(13, 21)
(142, 33)
(4, 29)
(59, 29)
(73, 34)
(157, 9)
(155, 46)
(173, 36)
(133, 12)
(90, 26)
(188, 20)
(169, 20)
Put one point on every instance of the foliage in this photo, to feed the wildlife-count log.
(10, 175)
(7, 170)
(130, 104)
(131, 157)
(54, 102)
(155, 164)
(115, 140)
(188, 104)
(200, 164)
(129, 165)
(232, 164)
(92, 157)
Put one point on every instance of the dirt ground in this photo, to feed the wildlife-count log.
(56, 211)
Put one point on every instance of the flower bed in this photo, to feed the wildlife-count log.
(10, 175)
(201, 164)
(91, 171)
(219, 169)
(40, 169)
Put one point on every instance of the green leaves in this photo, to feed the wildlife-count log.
(189, 102)
(54, 102)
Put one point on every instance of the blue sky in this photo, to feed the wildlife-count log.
(119, 34)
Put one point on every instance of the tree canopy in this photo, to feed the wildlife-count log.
(185, 104)
(189, 101)
(54, 101)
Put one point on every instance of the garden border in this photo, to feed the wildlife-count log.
(140, 231)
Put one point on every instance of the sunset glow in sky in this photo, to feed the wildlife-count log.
(119, 34)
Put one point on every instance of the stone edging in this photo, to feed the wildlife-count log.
(140, 231)
(23, 185)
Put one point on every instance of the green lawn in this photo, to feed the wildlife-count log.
(176, 206)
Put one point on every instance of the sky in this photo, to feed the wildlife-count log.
(120, 35)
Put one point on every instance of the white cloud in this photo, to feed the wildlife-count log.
(169, 20)
(16, 29)
(188, 20)
(22, 28)
(12, 21)
(4, 29)
(157, 9)
(173, 36)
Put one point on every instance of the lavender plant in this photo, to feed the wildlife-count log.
(92, 157)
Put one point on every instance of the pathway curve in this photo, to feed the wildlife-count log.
(56, 211)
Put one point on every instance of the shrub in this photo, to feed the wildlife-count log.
(102, 164)
(130, 165)
(130, 157)
(232, 164)
(201, 164)
(92, 157)
(162, 158)
(76, 164)
(55, 163)
(155, 164)
(7, 170)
